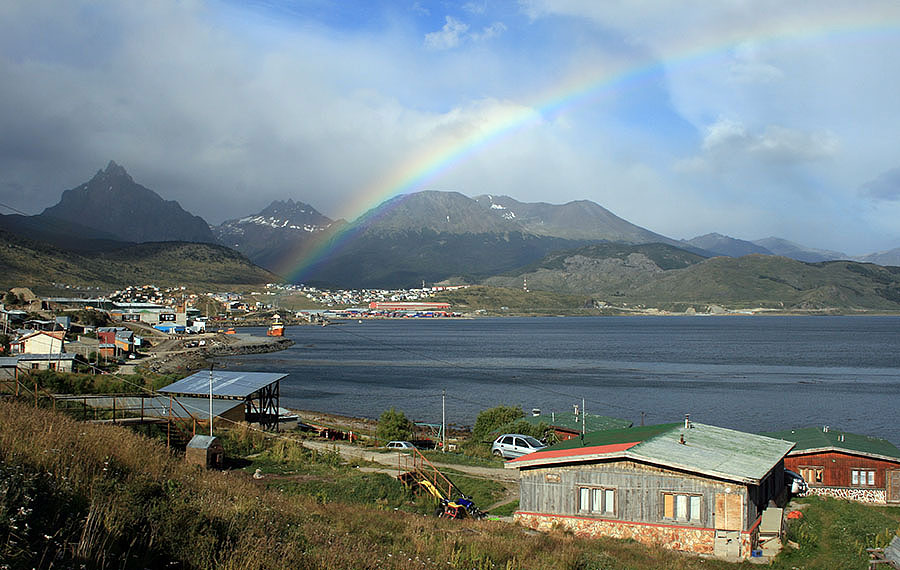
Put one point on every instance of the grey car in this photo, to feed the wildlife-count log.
(512, 445)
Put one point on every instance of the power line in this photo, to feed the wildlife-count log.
(13, 209)
(531, 384)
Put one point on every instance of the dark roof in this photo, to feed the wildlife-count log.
(815, 439)
(225, 384)
(53, 356)
(708, 450)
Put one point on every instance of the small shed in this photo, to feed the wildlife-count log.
(206, 451)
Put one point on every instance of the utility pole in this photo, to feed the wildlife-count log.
(583, 413)
(444, 421)
(210, 400)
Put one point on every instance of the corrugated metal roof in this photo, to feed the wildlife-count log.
(813, 439)
(52, 356)
(569, 421)
(158, 406)
(202, 441)
(709, 450)
(225, 384)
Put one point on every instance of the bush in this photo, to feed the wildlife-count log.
(393, 425)
(494, 418)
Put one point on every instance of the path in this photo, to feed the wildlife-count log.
(505, 476)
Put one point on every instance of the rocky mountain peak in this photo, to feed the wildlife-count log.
(114, 203)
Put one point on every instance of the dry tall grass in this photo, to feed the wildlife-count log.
(75, 493)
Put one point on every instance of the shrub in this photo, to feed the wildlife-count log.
(493, 418)
(393, 425)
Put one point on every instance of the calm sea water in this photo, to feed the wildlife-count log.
(746, 373)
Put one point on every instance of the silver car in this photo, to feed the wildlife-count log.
(512, 445)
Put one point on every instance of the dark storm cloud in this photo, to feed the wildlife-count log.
(885, 187)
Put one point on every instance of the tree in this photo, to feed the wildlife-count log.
(493, 418)
(393, 425)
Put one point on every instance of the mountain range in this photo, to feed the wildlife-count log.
(579, 247)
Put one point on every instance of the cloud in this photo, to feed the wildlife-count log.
(455, 32)
(490, 32)
(766, 108)
(885, 187)
(727, 142)
(449, 36)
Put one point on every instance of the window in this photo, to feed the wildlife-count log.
(597, 501)
(862, 477)
(812, 474)
(681, 507)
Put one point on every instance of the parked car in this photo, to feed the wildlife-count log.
(795, 481)
(512, 445)
(400, 445)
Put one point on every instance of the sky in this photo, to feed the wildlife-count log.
(747, 118)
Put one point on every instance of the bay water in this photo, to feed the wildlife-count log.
(747, 373)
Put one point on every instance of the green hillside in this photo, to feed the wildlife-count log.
(39, 265)
(777, 282)
(665, 277)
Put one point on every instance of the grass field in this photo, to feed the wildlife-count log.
(99, 496)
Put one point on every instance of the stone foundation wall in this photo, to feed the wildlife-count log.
(876, 496)
(686, 539)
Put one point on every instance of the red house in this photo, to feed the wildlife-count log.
(844, 465)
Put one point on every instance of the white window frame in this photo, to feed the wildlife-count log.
(862, 477)
(595, 500)
(686, 507)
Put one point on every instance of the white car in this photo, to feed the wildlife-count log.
(795, 482)
(400, 445)
(512, 445)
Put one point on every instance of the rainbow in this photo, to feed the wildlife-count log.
(443, 154)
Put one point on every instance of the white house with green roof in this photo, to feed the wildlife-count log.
(687, 486)
(845, 465)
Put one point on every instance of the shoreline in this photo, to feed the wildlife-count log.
(176, 355)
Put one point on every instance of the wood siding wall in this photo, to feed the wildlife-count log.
(837, 467)
(639, 492)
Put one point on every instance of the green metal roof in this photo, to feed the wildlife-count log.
(568, 421)
(812, 439)
(705, 449)
(613, 436)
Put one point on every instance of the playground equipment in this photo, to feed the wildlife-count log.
(416, 472)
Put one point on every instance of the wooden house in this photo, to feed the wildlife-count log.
(844, 465)
(690, 487)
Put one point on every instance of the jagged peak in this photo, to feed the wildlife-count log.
(113, 170)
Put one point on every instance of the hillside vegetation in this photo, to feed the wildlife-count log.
(99, 496)
(657, 275)
(38, 265)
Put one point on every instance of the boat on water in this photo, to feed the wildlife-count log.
(276, 328)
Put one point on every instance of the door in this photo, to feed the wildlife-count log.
(727, 544)
(729, 510)
(892, 484)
